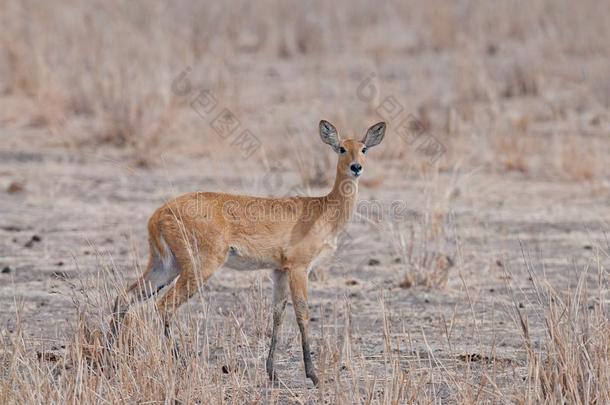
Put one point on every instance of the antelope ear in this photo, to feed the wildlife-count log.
(329, 135)
(374, 135)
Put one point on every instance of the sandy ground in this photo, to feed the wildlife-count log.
(79, 213)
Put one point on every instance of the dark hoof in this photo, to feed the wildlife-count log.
(272, 376)
(271, 373)
(314, 379)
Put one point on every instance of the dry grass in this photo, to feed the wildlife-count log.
(571, 363)
(513, 91)
(97, 79)
(221, 353)
(220, 360)
(427, 245)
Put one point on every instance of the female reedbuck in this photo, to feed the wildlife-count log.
(193, 235)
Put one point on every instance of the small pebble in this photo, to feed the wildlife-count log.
(15, 187)
(31, 242)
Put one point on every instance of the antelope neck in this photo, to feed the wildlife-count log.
(342, 198)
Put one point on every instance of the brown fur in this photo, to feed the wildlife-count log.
(196, 233)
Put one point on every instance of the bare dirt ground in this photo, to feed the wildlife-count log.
(81, 212)
(475, 269)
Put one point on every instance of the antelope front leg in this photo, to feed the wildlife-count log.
(298, 289)
(280, 299)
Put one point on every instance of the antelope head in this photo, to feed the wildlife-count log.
(352, 152)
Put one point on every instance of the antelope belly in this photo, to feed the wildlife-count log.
(238, 260)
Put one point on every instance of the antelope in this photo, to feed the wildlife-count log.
(193, 235)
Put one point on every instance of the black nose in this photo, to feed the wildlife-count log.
(356, 167)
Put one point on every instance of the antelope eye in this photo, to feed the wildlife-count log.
(342, 150)
(364, 150)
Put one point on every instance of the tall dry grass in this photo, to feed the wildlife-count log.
(571, 363)
(220, 360)
(427, 244)
(221, 354)
(509, 78)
